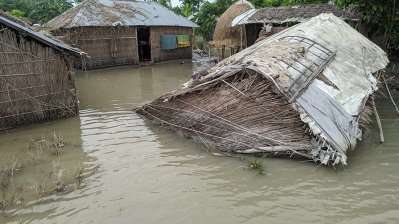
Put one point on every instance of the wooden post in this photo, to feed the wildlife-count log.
(241, 39)
(218, 53)
(389, 93)
(209, 52)
(223, 51)
(377, 117)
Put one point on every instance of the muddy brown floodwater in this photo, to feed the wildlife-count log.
(135, 172)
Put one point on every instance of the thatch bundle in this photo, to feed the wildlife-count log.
(225, 35)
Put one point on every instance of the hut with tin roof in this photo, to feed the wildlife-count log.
(114, 32)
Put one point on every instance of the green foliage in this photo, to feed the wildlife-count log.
(166, 3)
(381, 18)
(207, 16)
(44, 10)
(39, 11)
(17, 13)
(257, 165)
(199, 42)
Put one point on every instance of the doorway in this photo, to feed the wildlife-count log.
(143, 40)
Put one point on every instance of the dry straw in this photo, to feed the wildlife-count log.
(36, 82)
(225, 35)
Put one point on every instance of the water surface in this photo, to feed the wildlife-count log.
(140, 173)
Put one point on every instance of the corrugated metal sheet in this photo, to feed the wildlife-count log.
(301, 13)
(39, 37)
(122, 13)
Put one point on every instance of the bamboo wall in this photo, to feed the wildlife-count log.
(36, 82)
(158, 55)
(106, 46)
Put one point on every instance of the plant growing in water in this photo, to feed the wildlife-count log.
(257, 165)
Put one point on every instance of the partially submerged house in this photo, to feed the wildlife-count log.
(116, 32)
(265, 22)
(36, 76)
(306, 92)
(230, 37)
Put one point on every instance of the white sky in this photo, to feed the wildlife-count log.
(175, 3)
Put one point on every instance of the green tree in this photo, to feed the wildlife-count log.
(38, 11)
(44, 10)
(381, 18)
(207, 16)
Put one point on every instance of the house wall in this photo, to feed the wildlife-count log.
(106, 46)
(253, 35)
(157, 54)
(36, 82)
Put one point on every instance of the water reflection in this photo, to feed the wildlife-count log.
(147, 174)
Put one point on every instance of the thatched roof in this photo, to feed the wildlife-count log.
(21, 28)
(225, 35)
(299, 92)
(100, 13)
(296, 14)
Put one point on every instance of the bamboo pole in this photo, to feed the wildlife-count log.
(241, 39)
(377, 117)
(390, 95)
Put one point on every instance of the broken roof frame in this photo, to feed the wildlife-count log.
(325, 79)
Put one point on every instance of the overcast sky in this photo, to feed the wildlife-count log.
(175, 3)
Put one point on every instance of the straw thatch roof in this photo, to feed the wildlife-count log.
(22, 28)
(102, 13)
(300, 92)
(295, 14)
(225, 35)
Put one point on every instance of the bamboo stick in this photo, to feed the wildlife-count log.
(389, 93)
(241, 39)
(377, 117)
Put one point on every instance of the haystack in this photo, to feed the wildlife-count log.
(225, 35)
(300, 93)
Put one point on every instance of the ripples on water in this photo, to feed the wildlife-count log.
(148, 175)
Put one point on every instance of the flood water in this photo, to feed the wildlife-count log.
(136, 172)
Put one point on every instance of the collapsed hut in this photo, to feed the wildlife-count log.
(264, 22)
(226, 37)
(306, 92)
(116, 32)
(36, 76)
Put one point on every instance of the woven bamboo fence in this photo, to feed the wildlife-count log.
(36, 82)
(106, 46)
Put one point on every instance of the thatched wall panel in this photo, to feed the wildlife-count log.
(157, 54)
(106, 46)
(36, 82)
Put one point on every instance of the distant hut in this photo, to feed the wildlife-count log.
(230, 37)
(262, 23)
(124, 32)
(36, 76)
